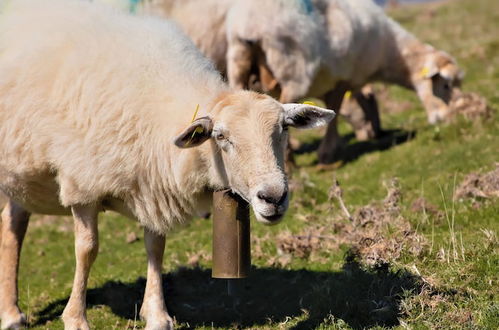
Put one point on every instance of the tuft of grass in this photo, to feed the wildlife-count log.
(453, 285)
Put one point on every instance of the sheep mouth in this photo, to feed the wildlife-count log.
(272, 218)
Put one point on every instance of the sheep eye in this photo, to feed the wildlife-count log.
(220, 137)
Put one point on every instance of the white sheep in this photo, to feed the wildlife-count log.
(323, 48)
(97, 112)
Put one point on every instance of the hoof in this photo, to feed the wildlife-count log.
(294, 144)
(16, 322)
(156, 321)
(329, 154)
(75, 323)
(329, 167)
(326, 158)
(165, 325)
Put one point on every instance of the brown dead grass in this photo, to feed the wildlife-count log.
(480, 185)
(377, 234)
(471, 106)
(421, 205)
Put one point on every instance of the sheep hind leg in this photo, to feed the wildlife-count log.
(86, 248)
(153, 309)
(14, 224)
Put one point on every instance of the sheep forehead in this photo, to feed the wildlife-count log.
(451, 71)
(443, 59)
(249, 114)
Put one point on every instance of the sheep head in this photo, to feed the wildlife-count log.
(248, 134)
(435, 82)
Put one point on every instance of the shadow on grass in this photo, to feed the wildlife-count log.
(351, 151)
(362, 298)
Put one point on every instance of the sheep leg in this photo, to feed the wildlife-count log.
(330, 144)
(14, 224)
(372, 125)
(86, 248)
(153, 308)
(240, 57)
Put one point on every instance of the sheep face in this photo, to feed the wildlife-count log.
(248, 134)
(438, 77)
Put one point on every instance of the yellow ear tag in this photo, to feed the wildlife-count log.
(348, 95)
(198, 129)
(310, 103)
(424, 72)
(195, 113)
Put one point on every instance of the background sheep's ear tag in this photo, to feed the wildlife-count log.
(310, 103)
(348, 95)
(425, 72)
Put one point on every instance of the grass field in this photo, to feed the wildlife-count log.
(421, 267)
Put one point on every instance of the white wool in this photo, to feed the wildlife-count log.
(96, 107)
(364, 41)
(292, 36)
(202, 20)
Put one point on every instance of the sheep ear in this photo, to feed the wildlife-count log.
(306, 115)
(194, 135)
(430, 67)
(429, 70)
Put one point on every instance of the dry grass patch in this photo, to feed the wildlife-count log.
(469, 105)
(376, 234)
(480, 185)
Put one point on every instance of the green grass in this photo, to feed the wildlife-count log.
(333, 290)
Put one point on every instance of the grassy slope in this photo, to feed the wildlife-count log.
(330, 293)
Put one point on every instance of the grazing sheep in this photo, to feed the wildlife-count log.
(323, 48)
(96, 113)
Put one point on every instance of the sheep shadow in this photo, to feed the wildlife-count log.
(351, 151)
(361, 298)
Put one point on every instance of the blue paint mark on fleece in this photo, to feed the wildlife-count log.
(133, 5)
(307, 6)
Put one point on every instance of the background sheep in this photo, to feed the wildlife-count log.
(354, 43)
(91, 104)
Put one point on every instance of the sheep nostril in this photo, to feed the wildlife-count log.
(261, 195)
(271, 199)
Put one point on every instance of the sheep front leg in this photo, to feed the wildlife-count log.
(330, 144)
(86, 248)
(369, 105)
(153, 309)
(240, 57)
(14, 224)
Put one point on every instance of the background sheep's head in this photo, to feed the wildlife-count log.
(435, 83)
(248, 135)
